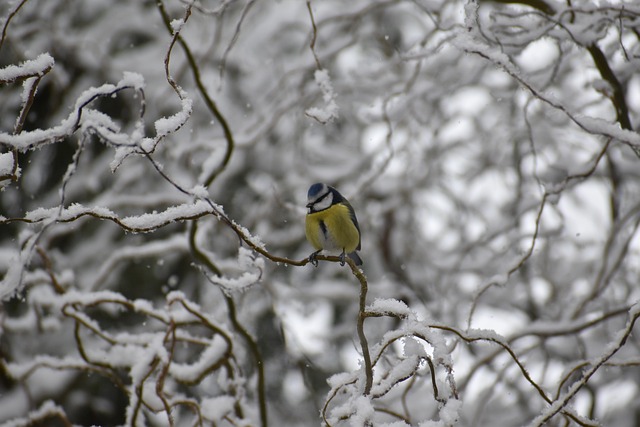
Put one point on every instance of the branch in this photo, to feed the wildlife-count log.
(209, 102)
(560, 404)
(362, 315)
(600, 60)
(536, 4)
(314, 34)
(497, 340)
(13, 13)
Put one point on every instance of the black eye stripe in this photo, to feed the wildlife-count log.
(321, 198)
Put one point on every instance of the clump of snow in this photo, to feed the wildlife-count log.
(471, 15)
(449, 415)
(358, 409)
(132, 79)
(143, 305)
(210, 356)
(33, 67)
(241, 283)
(413, 347)
(121, 153)
(251, 267)
(166, 125)
(75, 297)
(175, 296)
(6, 167)
(141, 362)
(81, 117)
(401, 371)
(147, 144)
(21, 369)
(247, 259)
(200, 191)
(44, 411)
(329, 112)
(363, 411)
(485, 334)
(151, 398)
(149, 221)
(40, 213)
(389, 306)
(176, 25)
(215, 408)
(256, 241)
(6, 163)
(12, 280)
(450, 412)
(340, 379)
(75, 210)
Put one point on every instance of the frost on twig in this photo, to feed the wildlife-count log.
(250, 269)
(412, 358)
(329, 111)
(31, 68)
(489, 161)
(157, 373)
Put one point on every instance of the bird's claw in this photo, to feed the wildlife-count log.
(313, 259)
(342, 260)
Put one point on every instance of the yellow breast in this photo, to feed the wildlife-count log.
(332, 229)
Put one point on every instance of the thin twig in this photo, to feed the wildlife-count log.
(209, 102)
(314, 35)
(234, 39)
(13, 13)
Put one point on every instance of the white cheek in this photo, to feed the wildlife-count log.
(324, 203)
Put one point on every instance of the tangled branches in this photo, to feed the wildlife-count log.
(151, 244)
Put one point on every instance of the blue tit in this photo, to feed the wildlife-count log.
(331, 223)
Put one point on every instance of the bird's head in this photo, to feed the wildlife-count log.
(319, 197)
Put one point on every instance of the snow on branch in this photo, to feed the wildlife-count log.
(145, 222)
(483, 335)
(561, 403)
(47, 410)
(425, 359)
(592, 125)
(39, 137)
(31, 68)
(329, 111)
(250, 268)
(157, 373)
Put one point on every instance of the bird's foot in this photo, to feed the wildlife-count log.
(313, 258)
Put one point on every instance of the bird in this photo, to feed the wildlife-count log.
(331, 224)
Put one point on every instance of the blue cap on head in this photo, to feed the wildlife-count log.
(316, 189)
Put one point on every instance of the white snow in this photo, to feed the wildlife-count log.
(135, 80)
(79, 118)
(166, 125)
(215, 408)
(389, 306)
(176, 25)
(213, 352)
(45, 410)
(6, 164)
(329, 111)
(33, 67)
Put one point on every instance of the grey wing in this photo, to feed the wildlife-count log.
(352, 214)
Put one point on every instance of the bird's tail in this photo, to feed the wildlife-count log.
(354, 256)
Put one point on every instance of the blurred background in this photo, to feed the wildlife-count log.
(488, 149)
